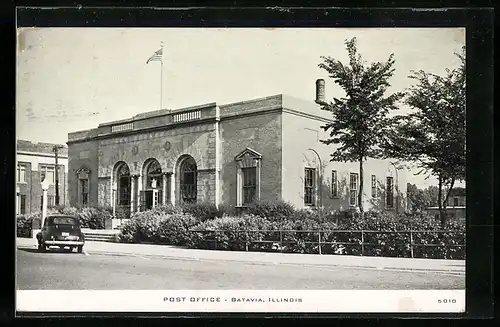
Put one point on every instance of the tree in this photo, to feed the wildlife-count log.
(421, 199)
(418, 199)
(433, 135)
(360, 118)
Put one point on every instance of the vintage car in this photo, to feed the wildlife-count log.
(61, 231)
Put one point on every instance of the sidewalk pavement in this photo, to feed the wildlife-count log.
(171, 252)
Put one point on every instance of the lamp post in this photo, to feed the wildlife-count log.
(397, 187)
(45, 187)
(18, 191)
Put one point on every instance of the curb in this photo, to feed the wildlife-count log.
(418, 270)
(259, 262)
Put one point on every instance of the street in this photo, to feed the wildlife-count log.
(59, 270)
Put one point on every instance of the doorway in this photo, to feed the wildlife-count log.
(151, 198)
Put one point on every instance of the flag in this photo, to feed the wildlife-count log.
(157, 56)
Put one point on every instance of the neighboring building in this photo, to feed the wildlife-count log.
(233, 154)
(455, 207)
(36, 161)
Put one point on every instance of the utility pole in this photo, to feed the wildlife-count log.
(56, 152)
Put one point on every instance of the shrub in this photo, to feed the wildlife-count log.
(157, 227)
(122, 212)
(174, 229)
(167, 209)
(24, 224)
(272, 210)
(89, 217)
(142, 227)
(203, 211)
(93, 218)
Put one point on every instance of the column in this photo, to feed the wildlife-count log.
(132, 191)
(113, 201)
(172, 189)
(164, 191)
(138, 195)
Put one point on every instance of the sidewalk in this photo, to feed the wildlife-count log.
(430, 265)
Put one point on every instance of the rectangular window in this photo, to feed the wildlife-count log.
(390, 193)
(335, 191)
(47, 172)
(353, 189)
(374, 186)
(22, 204)
(84, 187)
(455, 202)
(21, 173)
(51, 201)
(249, 184)
(309, 186)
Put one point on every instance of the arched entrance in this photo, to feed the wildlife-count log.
(123, 186)
(153, 181)
(188, 175)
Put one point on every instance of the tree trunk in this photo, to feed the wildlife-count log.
(360, 194)
(445, 202)
(442, 214)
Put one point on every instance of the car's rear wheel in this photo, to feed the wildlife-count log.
(80, 248)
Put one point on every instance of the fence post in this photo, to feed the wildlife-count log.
(319, 241)
(281, 241)
(362, 243)
(411, 244)
(215, 240)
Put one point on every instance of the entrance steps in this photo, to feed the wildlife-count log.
(101, 235)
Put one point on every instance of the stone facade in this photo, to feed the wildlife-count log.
(203, 154)
(32, 159)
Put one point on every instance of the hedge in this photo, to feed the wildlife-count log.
(257, 231)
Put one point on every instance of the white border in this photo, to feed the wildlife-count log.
(345, 301)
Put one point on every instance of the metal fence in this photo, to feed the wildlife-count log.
(319, 238)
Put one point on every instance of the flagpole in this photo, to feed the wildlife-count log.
(161, 78)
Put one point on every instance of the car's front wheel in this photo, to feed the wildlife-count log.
(41, 247)
(80, 248)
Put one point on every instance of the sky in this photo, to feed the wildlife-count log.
(71, 79)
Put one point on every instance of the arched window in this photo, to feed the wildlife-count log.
(123, 185)
(188, 177)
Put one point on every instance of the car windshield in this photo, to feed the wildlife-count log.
(63, 221)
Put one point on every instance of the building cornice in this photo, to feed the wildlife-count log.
(144, 130)
(306, 115)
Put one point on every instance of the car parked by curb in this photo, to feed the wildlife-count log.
(61, 231)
